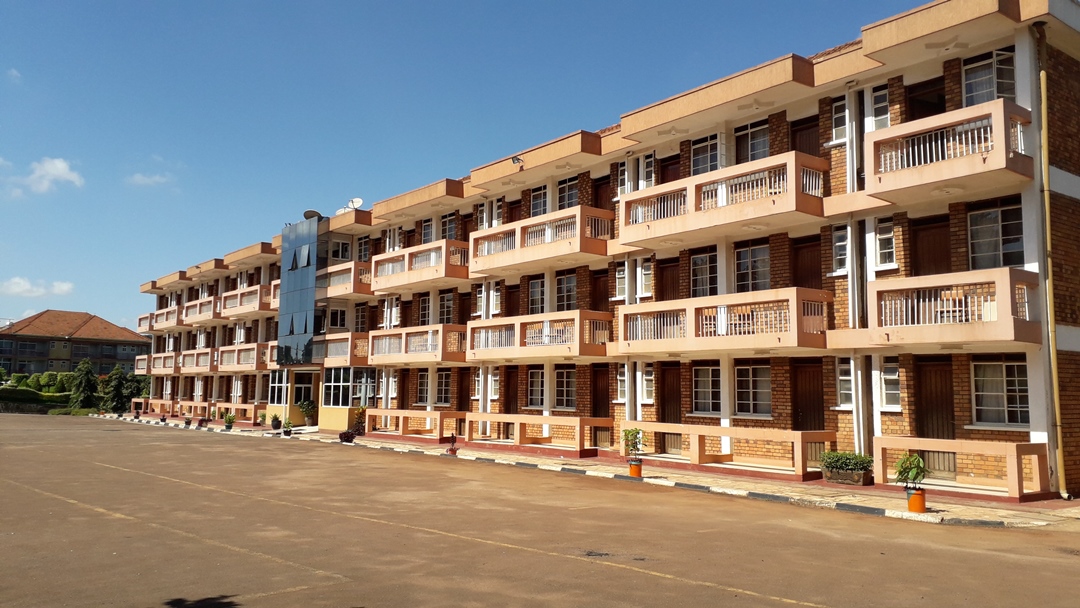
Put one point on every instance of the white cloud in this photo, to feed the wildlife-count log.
(14, 76)
(141, 179)
(47, 172)
(16, 193)
(25, 288)
(4, 164)
(29, 312)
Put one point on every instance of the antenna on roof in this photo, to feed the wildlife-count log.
(352, 205)
(311, 214)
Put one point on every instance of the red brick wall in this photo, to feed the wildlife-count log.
(526, 203)
(685, 158)
(838, 285)
(1069, 387)
(779, 133)
(780, 375)
(954, 85)
(836, 155)
(780, 261)
(613, 174)
(958, 237)
(584, 287)
(1065, 216)
(585, 190)
(897, 101)
(1063, 110)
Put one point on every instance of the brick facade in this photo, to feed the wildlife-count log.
(779, 133)
(897, 101)
(1063, 110)
(1065, 236)
(835, 154)
(954, 84)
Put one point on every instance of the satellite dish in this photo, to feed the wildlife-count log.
(354, 203)
(311, 214)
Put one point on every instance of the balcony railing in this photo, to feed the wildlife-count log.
(437, 264)
(795, 317)
(972, 306)
(952, 155)
(779, 191)
(275, 294)
(204, 360)
(146, 323)
(575, 235)
(575, 333)
(168, 318)
(202, 311)
(164, 364)
(142, 364)
(424, 344)
(348, 349)
(243, 357)
(349, 280)
(247, 301)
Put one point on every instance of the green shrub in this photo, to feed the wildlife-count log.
(25, 395)
(48, 380)
(846, 461)
(34, 383)
(19, 379)
(60, 411)
(3, 375)
(63, 382)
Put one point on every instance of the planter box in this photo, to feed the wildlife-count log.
(850, 478)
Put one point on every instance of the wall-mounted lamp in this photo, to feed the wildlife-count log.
(517, 160)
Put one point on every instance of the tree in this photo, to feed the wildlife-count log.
(136, 387)
(84, 386)
(48, 382)
(114, 390)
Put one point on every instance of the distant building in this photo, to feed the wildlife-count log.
(57, 340)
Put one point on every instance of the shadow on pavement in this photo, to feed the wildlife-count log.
(221, 601)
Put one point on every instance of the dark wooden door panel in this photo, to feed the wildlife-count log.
(601, 404)
(600, 301)
(670, 408)
(669, 281)
(930, 248)
(806, 264)
(808, 397)
(935, 417)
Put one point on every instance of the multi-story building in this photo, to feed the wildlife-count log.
(846, 250)
(58, 340)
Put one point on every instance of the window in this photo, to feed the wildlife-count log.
(536, 296)
(391, 312)
(990, 76)
(624, 178)
(442, 387)
(839, 119)
(363, 249)
(1000, 390)
(423, 386)
(620, 280)
(890, 383)
(493, 380)
(751, 267)
(648, 384)
(360, 318)
(996, 238)
(703, 275)
(279, 385)
(879, 100)
(568, 193)
(845, 396)
(427, 231)
(489, 214)
(363, 387)
(337, 385)
(839, 248)
(707, 390)
(565, 389)
(620, 383)
(886, 243)
(753, 390)
(51, 363)
(644, 286)
(391, 384)
(448, 226)
(337, 318)
(476, 383)
(704, 155)
(566, 290)
(424, 310)
(52, 345)
(637, 173)
(752, 141)
(538, 201)
(339, 250)
(446, 308)
(536, 388)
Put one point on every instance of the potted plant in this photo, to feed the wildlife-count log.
(346, 436)
(136, 414)
(163, 419)
(288, 429)
(203, 423)
(230, 418)
(213, 415)
(360, 426)
(911, 470)
(275, 422)
(452, 450)
(308, 408)
(633, 441)
(262, 418)
(187, 421)
(847, 468)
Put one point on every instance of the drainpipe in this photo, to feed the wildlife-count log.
(1051, 321)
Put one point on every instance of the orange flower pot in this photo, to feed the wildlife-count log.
(635, 468)
(916, 501)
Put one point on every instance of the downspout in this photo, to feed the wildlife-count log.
(1051, 320)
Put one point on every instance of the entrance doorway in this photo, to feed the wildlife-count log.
(670, 407)
(509, 391)
(935, 417)
(930, 246)
(806, 262)
(601, 404)
(808, 403)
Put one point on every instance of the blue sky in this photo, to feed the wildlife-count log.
(139, 138)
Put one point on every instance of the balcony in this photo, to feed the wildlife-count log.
(957, 155)
(243, 357)
(348, 349)
(417, 346)
(790, 319)
(167, 318)
(533, 338)
(271, 357)
(430, 266)
(764, 196)
(247, 302)
(977, 306)
(146, 323)
(202, 361)
(142, 365)
(349, 281)
(571, 237)
(165, 364)
(275, 294)
(202, 312)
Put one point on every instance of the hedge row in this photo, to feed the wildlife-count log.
(26, 395)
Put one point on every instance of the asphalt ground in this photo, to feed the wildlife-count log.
(103, 513)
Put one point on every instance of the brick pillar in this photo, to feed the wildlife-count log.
(462, 316)
(954, 85)
(828, 283)
(584, 288)
(902, 243)
(523, 305)
(614, 311)
(779, 133)
(836, 155)
(585, 190)
(780, 261)
(958, 237)
(501, 286)
(780, 376)
(474, 307)
(583, 390)
(414, 313)
(684, 274)
(613, 174)
(684, 158)
(898, 110)
(526, 203)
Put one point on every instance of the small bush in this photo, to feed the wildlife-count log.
(346, 436)
(26, 395)
(846, 461)
(63, 382)
(48, 380)
(34, 383)
(60, 411)
(19, 379)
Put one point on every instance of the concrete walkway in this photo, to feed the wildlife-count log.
(868, 501)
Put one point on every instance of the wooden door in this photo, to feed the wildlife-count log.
(599, 294)
(670, 408)
(668, 278)
(806, 262)
(511, 305)
(805, 137)
(808, 403)
(602, 196)
(669, 169)
(509, 389)
(464, 396)
(601, 404)
(930, 250)
(935, 417)
(406, 313)
(926, 98)
(513, 211)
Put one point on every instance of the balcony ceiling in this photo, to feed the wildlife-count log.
(251, 256)
(939, 30)
(354, 222)
(174, 281)
(563, 157)
(443, 196)
(208, 270)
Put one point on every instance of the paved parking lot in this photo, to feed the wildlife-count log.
(103, 513)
